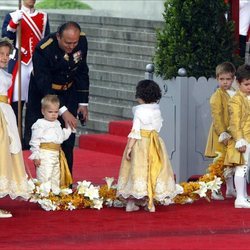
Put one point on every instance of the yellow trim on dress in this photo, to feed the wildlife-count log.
(4, 98)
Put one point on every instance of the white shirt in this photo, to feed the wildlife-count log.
(44, 131)
(244, 20)
(146, 116)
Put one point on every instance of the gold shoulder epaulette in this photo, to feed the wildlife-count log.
(82, 34)
(47, 43)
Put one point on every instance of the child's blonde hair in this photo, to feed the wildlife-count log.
(5, 41)
(224, 68)
(50, 99)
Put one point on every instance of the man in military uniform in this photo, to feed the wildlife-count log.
(60, 68)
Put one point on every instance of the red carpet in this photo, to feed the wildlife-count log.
(201, 225)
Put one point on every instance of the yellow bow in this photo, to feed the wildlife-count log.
(155, 162)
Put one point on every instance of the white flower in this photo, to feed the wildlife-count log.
(66, 191)
(109, 203)
(215, 184)
(98, 203)
(92, 192)
(82, 186)
(109, 181)
(34, 199)
(44, 189)
(47, 205)
(31, 186)
(202, 190)
(56, 190)
(189, 200)
(71, 206)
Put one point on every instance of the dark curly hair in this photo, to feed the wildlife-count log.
(243, 73)
(148, 90)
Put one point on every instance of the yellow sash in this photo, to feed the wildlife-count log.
(4, 98)
(65, 175)
(155, 162)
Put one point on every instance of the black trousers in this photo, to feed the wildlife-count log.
(242, 43)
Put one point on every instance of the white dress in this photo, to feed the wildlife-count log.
(13, 178)
(133, 176)
(44, 131)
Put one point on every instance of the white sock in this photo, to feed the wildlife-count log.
(245, 188)
(230, 184)
(240, 187)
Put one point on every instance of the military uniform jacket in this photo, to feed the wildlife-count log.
(239, 127)
(34, 27)
(52, 67)
(220, 122)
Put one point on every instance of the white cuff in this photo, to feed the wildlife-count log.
(83, 104)
(241, 143)
(62, 110)
(135, 134)
(224, 136)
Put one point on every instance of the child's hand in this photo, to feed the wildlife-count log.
(37, 162)
(128, 154)
(242, 149)
(225, 142)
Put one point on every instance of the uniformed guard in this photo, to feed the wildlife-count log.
(34, 27)
(60, 68)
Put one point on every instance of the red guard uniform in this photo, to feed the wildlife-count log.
(34, 26)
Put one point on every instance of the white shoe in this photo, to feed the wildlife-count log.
(217, 196)
(241, 204)
(230, 194)
(5, 214)
(131, 207)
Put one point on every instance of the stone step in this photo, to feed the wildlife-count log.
(115, 77)
(109, 109)
(112, 101)
(118, 64)
(111, 93)
(124, 50)
(102, 22)
(112, 85)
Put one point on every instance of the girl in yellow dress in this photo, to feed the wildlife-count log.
(239, 125)
(146, 173)
(13, 178)
(218, 134)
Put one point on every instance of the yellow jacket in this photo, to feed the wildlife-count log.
(239, 126)
(220, 122)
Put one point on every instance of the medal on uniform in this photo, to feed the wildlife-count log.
(66, 57)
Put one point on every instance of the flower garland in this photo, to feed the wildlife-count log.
(86, 195)
(205, 185)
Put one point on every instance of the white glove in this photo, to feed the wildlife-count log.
(17, 16)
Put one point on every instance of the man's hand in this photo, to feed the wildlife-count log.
(84, 111)
(69, 119)
(37, 162)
